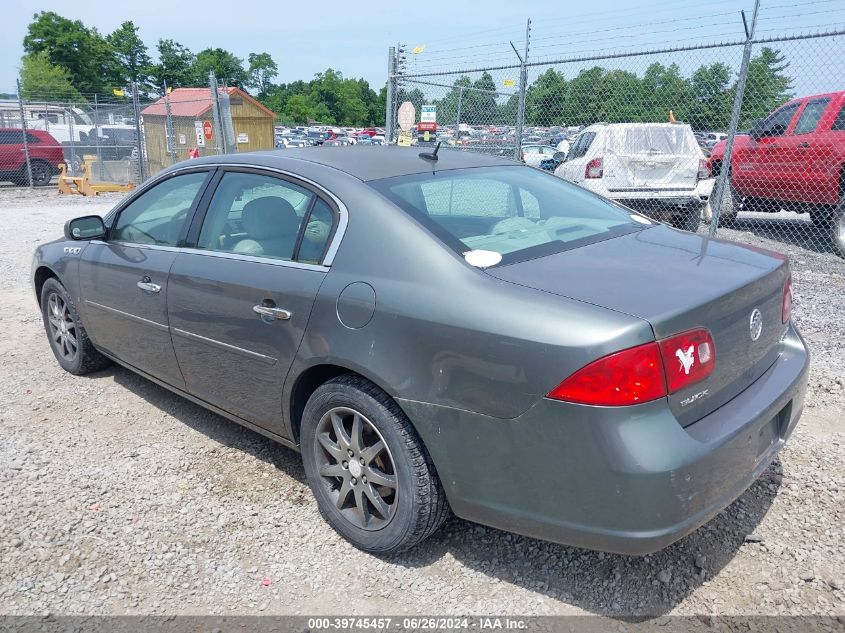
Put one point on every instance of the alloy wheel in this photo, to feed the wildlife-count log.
(357, 468)
(62, 327)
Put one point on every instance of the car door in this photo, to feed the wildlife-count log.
(240, 299)
(123, 279)
(11, 151)
(763, 165)
(810, 172)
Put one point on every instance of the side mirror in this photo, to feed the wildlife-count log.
(559, 156)
(88, 227)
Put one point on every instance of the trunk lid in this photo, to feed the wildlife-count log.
(651, 157)
(678, 281)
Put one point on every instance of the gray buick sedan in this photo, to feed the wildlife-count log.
(444, 331)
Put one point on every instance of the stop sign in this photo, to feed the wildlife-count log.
(207, 130)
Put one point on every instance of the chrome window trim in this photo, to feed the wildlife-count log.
(221, 254)
(334, 245)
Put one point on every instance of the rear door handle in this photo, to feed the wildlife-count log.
(148, 286)
(272, 313)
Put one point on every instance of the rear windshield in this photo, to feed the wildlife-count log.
(652, 139)
(518, 212)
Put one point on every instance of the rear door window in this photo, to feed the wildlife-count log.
(810, 117)
(839, 123)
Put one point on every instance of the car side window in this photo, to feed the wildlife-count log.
(159, 214)
(839, 123)
(778, 121)
(811, 116)
(582, 145)
(262, 216)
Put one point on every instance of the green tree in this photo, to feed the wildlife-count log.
(544, 100)
(712, 96)
(481, 101)
(175, 66)
(42, 80)
(133, 61)
(298, 109)
(766, 87)
(447, 108)
(226, 66)
(262, 71)
(82, 52)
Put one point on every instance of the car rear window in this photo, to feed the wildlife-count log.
(517, 212)
(652, 139)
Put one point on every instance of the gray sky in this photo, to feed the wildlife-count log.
(307, 38)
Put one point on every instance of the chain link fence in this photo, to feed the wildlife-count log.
(124, 138)
(654, 130)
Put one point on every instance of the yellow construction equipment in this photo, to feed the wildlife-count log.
(83, 185)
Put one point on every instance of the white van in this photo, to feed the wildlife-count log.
(655, 168)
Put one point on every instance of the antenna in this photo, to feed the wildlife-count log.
(431, 155)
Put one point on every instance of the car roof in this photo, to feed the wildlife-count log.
(368, 162)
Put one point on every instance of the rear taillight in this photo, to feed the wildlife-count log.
(689, 357)
(786, 303)
(643, 373)
(594, 169)
(703, 169)
(631, 376)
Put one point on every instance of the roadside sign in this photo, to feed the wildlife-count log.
(407, 116)
(207, 130)
(200, 135)
(404, 139)
(509, 83)
(428, 114)
(243, 137)
(426, 126)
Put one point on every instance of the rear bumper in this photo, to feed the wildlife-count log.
(628, 480)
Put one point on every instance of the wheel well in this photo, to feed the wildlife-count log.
(306, 384)
(42, 274)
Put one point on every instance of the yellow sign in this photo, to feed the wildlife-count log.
(117, 92)
(418, 49)
(404, 139)
(510, 83)
(426, 136)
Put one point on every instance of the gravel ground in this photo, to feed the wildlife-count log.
(118, 497)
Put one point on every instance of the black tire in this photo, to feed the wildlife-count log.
(42, 173)
(689, 220)
(731, 204)
(418, 505)
(834, 227)
(79, 358)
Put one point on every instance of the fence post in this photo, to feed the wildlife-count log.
(215, 113)
(168, 127)
(23, 134)
(136, 106)
(100, 170)
(458, 122)
(523, 88)
(723, 180)
(390, 110)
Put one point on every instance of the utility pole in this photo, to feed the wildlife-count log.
(136, 105)
(215, 112)
(724, 179)
(390, 114)
(168, 127)
(523, 88)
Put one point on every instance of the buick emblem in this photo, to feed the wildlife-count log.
(755, 324)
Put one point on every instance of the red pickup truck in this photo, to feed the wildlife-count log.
(45, 155)
(794, 159)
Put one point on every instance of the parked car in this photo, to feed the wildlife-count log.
(483, 337)
(655, 168)
(794, 159)
(711, 138)
(533, 155)
(45, 156)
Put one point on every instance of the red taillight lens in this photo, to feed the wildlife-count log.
(594, 169)
(703, 169)
(689, 357)
(628, 377)
(786, 304)
(643, 373)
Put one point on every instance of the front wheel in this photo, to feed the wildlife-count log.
(835, 228)
(42, 173)
(373, 479)
(68, 339)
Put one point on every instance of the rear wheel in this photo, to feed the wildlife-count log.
(372, 477)
(41, 173)
(68, 339)
(834, 227)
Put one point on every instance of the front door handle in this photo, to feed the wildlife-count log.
(804, 144)
(147, 285)
(271, 314)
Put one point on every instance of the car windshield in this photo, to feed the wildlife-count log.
(517, 212)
